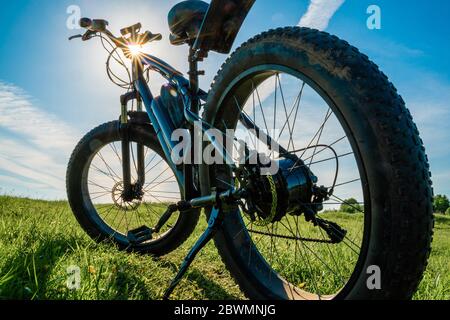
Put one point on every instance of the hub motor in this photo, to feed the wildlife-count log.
(271, 197)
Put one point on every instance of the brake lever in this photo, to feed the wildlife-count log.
(85, 37)
(75, 37)
(88, 35)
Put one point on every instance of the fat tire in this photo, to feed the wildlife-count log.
(402, 221)
(144, 134)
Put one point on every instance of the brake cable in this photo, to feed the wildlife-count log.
(324, 146)
(114, 54)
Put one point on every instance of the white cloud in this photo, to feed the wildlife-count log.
(19, 115)
(35, 145)
(317, 16)
(320, 13)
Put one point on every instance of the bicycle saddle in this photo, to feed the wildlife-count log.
(185, 20)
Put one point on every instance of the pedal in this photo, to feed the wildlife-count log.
(140, 235)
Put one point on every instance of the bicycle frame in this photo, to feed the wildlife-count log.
(160, 120)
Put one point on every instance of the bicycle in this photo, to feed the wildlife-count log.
(281, 233)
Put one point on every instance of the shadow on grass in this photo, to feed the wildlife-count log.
(25, 275)
(211, 289)
(138, 287)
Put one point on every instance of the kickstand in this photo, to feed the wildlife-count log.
(214, 223)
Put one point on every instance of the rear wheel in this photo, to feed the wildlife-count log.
(326, 102)
(95, 186)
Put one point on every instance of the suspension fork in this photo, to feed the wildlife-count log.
(140, 151)
(125, 142)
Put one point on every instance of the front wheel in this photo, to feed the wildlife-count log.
(95, 191)
(329, 105)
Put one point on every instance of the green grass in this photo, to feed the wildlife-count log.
(39, 240)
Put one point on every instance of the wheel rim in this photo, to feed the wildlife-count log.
(322, 273)
(102, 186)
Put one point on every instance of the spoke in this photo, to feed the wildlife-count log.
(164, 197)
(254, 112)
(312, 251)
(349, 204)
(150, 162)
(329, 112)
(261, 108)
(151, 212)
(104, 173)
(348, 182)
(297, 107)
(169, 192)
(157, 199)
(320, 161)
(271, 251)
(242, 229)
(124, 213)
(106, 213)
(99, 196)
(99, 186)
(332, 158)
(296, 111)
(165, 170)
(327, 117)
(159, 183)
(326, 148)
(154, 166)
(107, 166)
(275, 107)
(307, 259)
(113, 147)
(291, 130)
(240, 110)
(99, 192)
(126, 222)
(332, 203)
(332, 257)
(224, 182)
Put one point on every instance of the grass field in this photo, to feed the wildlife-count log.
(39, 240)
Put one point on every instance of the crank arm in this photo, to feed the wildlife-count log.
(213, 199)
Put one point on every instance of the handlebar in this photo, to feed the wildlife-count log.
(101, 26)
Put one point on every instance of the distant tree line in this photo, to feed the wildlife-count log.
(441, 204)
(351, 206)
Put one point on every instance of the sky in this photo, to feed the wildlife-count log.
(53, 91)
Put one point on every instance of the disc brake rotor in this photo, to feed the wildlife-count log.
(117, 198)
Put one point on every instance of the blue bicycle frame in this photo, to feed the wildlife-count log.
(189, 91)
(159, 116)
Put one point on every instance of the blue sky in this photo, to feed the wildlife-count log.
(53, 91)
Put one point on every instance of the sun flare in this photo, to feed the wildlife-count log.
(135, 49)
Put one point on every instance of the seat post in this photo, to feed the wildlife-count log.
(191, 189)
(193, 79)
